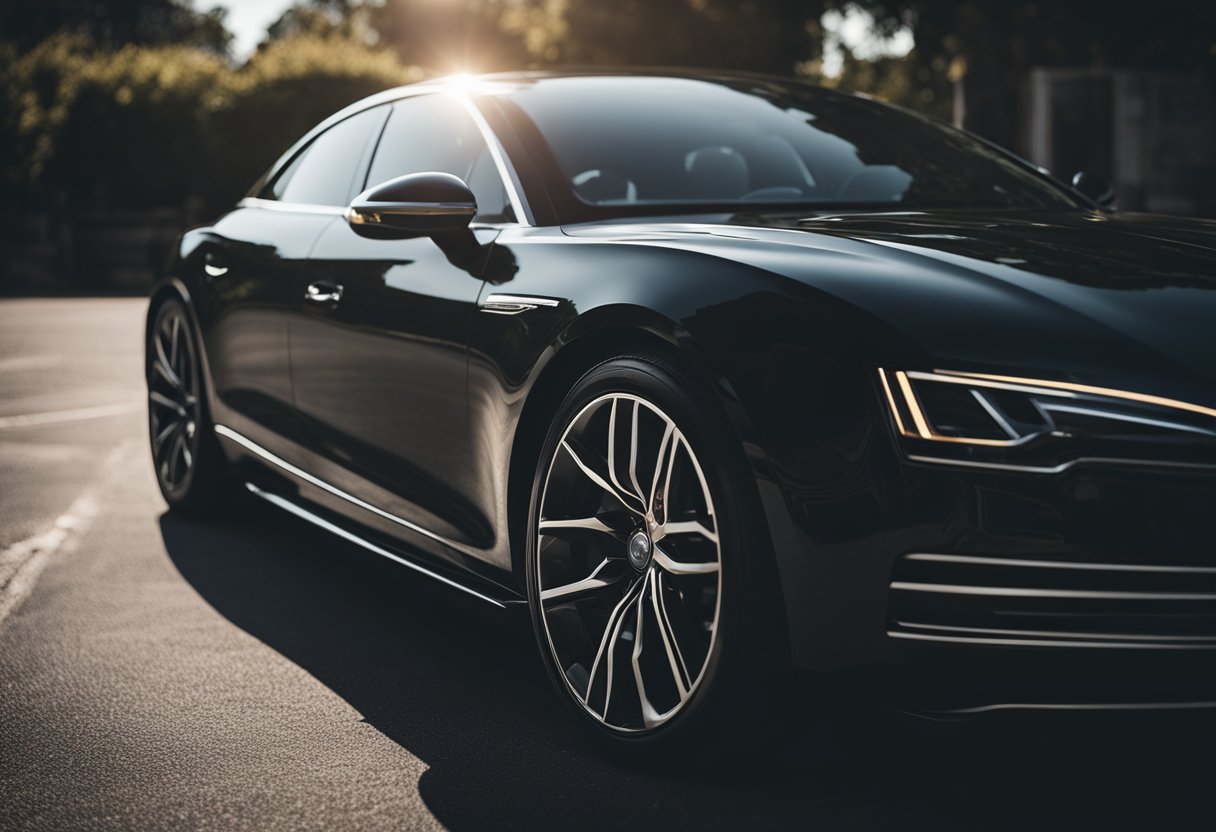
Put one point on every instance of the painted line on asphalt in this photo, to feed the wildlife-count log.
(22, 562)
(57, 416)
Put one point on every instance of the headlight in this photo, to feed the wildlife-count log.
(1041, 425)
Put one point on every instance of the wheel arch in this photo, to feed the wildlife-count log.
(596, 336)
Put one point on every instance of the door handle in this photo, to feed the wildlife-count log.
(322, 292)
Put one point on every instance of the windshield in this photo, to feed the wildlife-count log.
(652, 141)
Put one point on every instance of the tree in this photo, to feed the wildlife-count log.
(114, 23)
(988, 46)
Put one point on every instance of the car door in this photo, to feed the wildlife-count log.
(251, 263)
(379, 348)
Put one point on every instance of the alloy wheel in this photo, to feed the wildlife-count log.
(173, 401)
(628, 564)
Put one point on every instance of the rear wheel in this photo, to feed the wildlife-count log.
(185, 453)
(648, 575)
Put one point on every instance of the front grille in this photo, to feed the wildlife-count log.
(1027, 602)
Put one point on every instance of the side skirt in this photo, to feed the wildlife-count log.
(495, 596)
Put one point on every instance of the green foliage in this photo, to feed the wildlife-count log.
(133, 104)
(904, 81)
(25, 23)
(142, 126)
(111, 128)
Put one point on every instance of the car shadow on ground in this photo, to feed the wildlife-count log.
(462, 688)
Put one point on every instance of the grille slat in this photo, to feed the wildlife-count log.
(1022, 601)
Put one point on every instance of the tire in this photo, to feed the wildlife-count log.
(186, 456)
(660, 623)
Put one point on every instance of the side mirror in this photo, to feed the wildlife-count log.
(413, 205)
(1095, 187)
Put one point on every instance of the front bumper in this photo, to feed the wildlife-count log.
(972, 587)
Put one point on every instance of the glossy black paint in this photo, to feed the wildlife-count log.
(409, 396)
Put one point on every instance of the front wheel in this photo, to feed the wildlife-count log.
(649, 576)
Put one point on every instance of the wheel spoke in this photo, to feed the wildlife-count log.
(167, 374)
(633, 452)
(662, 468)
(684, 527)
(611, 630)
(670, 642)
(163, 366)
(173, 344)
(175, 447)
(677, 567)
(650, 715)
(609, 572)
(592, 524)
(612, 455)
(164, 401)
(622, 497)
(158, 441)
(610, 662)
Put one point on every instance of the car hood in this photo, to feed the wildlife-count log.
(1109, 299)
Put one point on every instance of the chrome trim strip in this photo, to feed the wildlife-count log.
(514, 304)
(426, 209)
(1053, 634)
(1028, 592)
(320, 522)
(1029, 642)
(1064, 466)
(1058, 564)
(1081, 706)
(253, 447)
(291, 207)
(523, 213)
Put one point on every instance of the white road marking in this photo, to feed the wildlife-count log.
(76, 415)
(22, 562)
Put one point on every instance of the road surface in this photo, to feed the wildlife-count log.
(255, 674)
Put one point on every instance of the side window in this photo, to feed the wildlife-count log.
(324, 172)
(436, 133)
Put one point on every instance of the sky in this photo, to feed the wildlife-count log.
(249, 19)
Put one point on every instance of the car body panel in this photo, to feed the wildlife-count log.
(415, 396)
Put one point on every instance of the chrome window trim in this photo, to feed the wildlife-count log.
(506, 171)
(256, 449)
(291, 207)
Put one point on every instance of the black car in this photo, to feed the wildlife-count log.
(720, 375)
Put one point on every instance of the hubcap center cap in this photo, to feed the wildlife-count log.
(639, 550)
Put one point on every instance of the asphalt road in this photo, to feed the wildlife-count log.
(255, 674)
